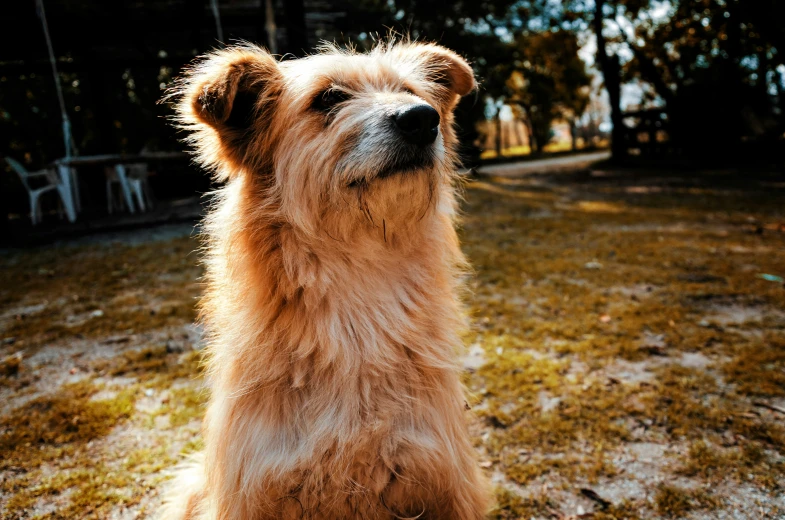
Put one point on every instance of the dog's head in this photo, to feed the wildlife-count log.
(336, 133)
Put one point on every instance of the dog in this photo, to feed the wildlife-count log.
(332, 287)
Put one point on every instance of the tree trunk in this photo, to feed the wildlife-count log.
(268, 27)
(574, 134)
(530, 135)
(527, 122)
(736, 99)
(611, 73)
(498, 133)
(779, 79)
(518, 134)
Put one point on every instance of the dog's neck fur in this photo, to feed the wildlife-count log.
(321, 294)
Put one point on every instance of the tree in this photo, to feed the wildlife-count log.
(611, 73)
(715, 65)
(549, 82)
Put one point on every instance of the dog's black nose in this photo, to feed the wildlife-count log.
(418, 124)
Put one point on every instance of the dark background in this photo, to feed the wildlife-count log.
(714, 73)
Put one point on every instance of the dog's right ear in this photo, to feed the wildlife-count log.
(227, 101)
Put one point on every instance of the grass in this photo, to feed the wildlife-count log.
(675, 502)
(67, 433)
(524, 150)
(39, 431)
(615, 313)
(98, 291)
(574, 279)
(71, 453)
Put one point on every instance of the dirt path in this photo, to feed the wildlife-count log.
(550, 165)
(626, 357)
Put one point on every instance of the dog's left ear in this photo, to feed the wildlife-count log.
(445, 68)
(449, 69)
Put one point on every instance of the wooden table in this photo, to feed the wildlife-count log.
(70, 189)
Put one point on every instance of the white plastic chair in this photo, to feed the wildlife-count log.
(52, 183)
(136, 180)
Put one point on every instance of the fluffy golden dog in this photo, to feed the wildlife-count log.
(333, 269)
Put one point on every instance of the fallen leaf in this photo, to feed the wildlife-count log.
(592, 495)
(771, 278)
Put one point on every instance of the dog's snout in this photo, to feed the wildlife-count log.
(418, 124)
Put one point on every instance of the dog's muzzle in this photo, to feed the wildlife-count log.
(417, 124)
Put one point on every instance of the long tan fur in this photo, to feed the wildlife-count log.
(331, 302)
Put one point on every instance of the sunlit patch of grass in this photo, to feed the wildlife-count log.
(185, 405)
(597, 206)
(759, 368)
(90, 488)
(148, 460)
(42, 429)
(58, 431)
(193, 446)
(86, 490)
(154, 366)
(507, 152)
(59, 448)
(39, 330)
(570, 439)
(510, 506)
(749, 462)
(675, 502)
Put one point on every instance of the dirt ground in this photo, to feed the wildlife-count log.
(626, 357)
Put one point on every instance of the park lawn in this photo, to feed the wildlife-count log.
(626, 357)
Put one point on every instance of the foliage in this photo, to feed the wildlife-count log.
(549, 80)
(715, 65)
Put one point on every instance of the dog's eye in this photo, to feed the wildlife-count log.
(330, 98)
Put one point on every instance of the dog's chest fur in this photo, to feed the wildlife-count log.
(337, 353)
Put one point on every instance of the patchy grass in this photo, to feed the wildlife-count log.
(675, 502)
(44, 428)
(92, 446)
(55, 433)
(760, 371)
(91, 292)
(511, 506)
(633, 356)
(152, 366)
(626, 311)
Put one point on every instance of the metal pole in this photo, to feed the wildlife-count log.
(66, 122)
(217, 16)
